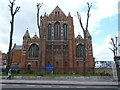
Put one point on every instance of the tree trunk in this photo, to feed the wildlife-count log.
(85, 30)
(9, 60)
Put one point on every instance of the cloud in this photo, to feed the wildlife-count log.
(3, 47)
(26, 18)
(102, 52)
(99, 11)
(97, 32)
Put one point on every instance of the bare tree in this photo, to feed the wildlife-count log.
(39, 5)
(13, 13)
(114, 44)
(39, 25)
(85, 30)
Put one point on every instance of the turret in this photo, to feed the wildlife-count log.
(26, 39)
(26, 35)
(69, 14)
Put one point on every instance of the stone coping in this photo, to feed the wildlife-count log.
(76, 78)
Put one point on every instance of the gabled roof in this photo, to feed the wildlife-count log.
(35, 37)
(17, 47)
(57, 9)
(79, 37)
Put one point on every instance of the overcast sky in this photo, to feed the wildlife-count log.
(103, 22)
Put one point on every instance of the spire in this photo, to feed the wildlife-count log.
(69, 14)
(41, 18)
(26, 35)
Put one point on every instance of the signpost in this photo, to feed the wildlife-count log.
(49, 68)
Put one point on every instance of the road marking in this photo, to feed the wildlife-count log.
(64, 86)
(16, 85)
(46, 86)
(31, 85)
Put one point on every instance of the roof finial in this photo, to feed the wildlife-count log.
(69, 14)
(35, 33)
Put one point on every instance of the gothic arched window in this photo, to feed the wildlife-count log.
(57, 31)
(79, 50)
(57, 13)
(49, 31)
(65, 30)
(33, 51)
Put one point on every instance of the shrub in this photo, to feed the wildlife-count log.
(40, 74)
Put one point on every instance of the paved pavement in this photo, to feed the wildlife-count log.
(58, 84)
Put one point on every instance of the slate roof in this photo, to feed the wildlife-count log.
(17, 47)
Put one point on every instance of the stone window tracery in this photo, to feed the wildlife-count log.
(33, 51)
(65, 30)
(79, 50)
(49, 32)
(57, 31)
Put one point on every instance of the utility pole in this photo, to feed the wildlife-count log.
(85, 30)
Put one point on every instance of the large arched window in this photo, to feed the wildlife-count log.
(49, 31)
(65, 30)
(33, 51)
(79, 50)
(57, 31)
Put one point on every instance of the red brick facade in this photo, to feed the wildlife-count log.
(56, 46)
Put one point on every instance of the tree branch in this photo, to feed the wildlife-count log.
(38, 9)
(113, 50)
(88, 14)
(79, 17)
(16, 10)
(114, 45)
(11, 8)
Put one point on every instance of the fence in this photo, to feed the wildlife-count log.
(100, 71)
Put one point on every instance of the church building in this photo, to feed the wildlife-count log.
(56, 45)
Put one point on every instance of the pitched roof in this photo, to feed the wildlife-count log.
(56, 10)
(79, 37)
(17, 47)
(35, 37)
(26, 34)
